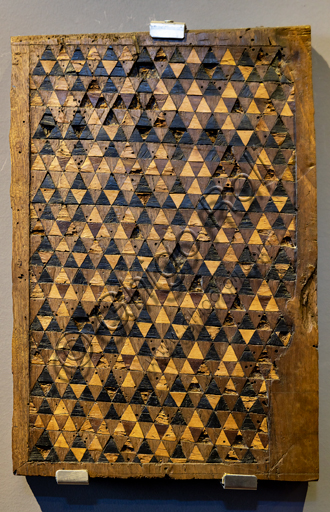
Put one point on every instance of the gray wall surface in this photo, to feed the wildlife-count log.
(33, 17)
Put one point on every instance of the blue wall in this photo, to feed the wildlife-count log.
(165, 496)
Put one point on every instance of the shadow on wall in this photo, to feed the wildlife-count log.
(190, 496)
(165, 496)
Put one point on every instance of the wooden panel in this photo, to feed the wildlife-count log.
(172, 302)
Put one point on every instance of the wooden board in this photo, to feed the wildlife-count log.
(164, 255)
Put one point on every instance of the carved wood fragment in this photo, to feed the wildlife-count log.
(164, 255)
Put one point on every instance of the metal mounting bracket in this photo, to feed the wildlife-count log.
(167, 29)
(240, 482)
(72, 477)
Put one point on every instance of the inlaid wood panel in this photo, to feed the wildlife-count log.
(170, 290)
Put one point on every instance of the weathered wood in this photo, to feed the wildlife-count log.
(127, 168)
(20, 158)
(297, 390)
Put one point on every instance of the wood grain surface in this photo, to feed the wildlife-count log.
(204, 148)
(20, 157)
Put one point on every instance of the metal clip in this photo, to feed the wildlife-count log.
(72, 477)
(240, 482)
(167, 29)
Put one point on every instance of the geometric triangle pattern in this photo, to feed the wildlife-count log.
(163, 241)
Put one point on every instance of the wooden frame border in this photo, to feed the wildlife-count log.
(19, 191)
(294, 397)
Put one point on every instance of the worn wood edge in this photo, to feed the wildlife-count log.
(19, 192)
(241, 36)
(294, 398)
(175, 471)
